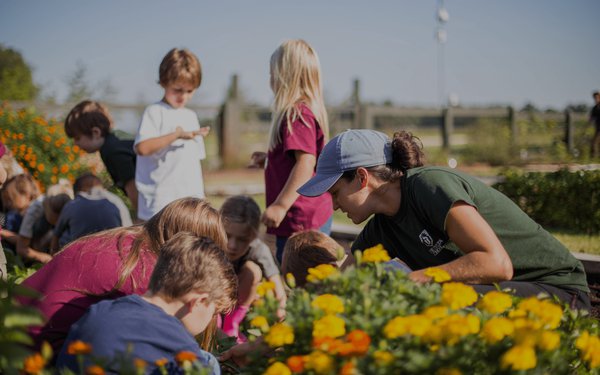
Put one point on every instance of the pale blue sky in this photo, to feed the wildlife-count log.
(498, 51)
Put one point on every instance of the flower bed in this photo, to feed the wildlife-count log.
(370, 320)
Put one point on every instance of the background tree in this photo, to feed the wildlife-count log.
(16, 82)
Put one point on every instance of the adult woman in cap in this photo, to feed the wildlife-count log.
(436, 216)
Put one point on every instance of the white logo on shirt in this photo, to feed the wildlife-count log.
(425, 238)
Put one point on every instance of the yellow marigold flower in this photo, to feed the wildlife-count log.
(383, 358)
(280, 334)
(375, 254)
(139, 363)
(496, 329)
(321, 272)
(264, 287)
(519, 357)
(278, 368)
(320, 362)
(547, 312)
(589, 346)
(184, 356)
(329, 326)
(34, 364)
(548, 340)
(260, 322)
(495, 302)
(161, 362)
(437, 274)
(290, 280)
(448, 371)
(416, 325)
(329, 303)
(94, 370)
(79, 347)
(458, 295)
(435, 312)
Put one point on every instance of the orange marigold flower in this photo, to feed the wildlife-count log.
(55, 170)
(34, 364)
(348, 369)
(161, 362)
(79, 347)
(295, 363)
(64, 169)
(139, 363)
(47, 138)
(94, 370)
(68, 149)
(185, 356)
(327, 344)
(41, 167)
(359, 340)
(76, 149)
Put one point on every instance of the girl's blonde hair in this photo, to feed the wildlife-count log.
(296, 79)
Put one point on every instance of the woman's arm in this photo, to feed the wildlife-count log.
(152, 145)
(300, 174)
(484, 261)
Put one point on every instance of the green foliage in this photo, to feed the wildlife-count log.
(562, 199)
(39, 145)
(15, 319)
(490, 142)
(16, 82)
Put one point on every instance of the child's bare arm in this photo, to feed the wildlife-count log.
(27, 252)
(152, 145)
(302, 172)
(9, 236)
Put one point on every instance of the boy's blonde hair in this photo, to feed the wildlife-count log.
(295, 79)
(85, 116)
(308, 249)
(180, 65)
(188, 263)
(21, 184)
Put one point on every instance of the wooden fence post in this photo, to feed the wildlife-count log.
(356, 121)
(514, 130)
(447, 127)
(230, 119)
(569, 130)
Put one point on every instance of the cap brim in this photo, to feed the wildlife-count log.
(318, 185)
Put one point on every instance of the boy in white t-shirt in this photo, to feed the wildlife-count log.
(169, 141)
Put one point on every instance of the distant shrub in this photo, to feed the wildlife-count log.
(562, 199)
(39, 145)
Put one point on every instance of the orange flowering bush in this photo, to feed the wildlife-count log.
(39, 145)
(372, 319)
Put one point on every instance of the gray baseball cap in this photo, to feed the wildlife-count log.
(345, 152)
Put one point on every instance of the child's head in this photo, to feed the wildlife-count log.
(189, 214)
(88, 123)
(86, 182)
(241, 218)
(308, 249)
(180, 74)
(195, 271)
(18, 192)
(53, 206)
(296, 77)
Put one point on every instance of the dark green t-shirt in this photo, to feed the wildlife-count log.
(417, 233)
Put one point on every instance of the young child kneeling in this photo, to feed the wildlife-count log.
(191, 282)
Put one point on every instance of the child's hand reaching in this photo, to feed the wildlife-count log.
(273, 215)
(257, 160)
(182, 134)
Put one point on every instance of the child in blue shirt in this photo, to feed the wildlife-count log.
(191, 282)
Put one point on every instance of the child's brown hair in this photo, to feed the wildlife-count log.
(22, 184)
(241, 209)
(189, 263)
(85, 116)
(180, 65)
(304, 250)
